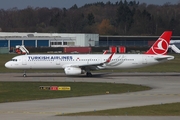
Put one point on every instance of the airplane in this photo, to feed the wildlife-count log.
(76, 64)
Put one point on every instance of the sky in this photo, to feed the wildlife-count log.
(21, 4)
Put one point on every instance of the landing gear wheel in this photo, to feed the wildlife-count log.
(88, 74)
(24, 75)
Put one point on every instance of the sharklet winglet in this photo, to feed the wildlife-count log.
(110, 57)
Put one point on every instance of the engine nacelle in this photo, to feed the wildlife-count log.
(73, 71)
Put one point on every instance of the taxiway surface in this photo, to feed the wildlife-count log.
(165, 90)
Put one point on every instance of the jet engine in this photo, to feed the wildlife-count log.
(73, 71)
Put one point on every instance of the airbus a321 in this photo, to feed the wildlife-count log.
(76, 64)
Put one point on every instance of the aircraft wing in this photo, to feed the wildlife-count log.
(85, 66)
(92, 66)
(88, 66)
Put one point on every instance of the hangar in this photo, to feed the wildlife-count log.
(11, 39)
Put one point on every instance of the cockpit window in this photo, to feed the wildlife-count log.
(14, 60)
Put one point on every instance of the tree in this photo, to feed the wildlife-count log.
(124, 17)
(74, 7)
(105, 27)
(90, 18)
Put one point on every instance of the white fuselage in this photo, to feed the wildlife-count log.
(61, 61)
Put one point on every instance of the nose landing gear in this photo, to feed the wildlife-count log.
(24, 74)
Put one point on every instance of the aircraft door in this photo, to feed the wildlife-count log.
(57, 62)
(88, 60)
(144, 59)
(24, 60)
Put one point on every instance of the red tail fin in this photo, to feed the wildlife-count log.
(160, 47)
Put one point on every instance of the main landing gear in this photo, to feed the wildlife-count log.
(88, 74)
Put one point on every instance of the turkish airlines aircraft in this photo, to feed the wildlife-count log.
(76, 64)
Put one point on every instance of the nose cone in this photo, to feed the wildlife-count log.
(8, 65)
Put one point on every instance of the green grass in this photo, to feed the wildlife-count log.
(151, 110)
(22, 91)
(169, 66)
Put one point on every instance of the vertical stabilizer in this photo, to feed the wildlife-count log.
(160, 47)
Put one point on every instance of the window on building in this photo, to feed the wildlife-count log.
(59, 43)
(56, 43)
(70, 43)
(64, 43)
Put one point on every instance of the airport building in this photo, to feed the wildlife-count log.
(133, 41)
(11, 39)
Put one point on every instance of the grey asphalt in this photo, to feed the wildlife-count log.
(166, 89)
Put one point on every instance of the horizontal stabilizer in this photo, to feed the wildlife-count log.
(160, 58)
